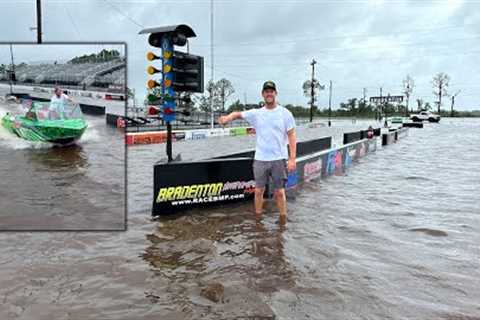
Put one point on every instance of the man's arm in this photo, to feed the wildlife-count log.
(228, 118)
(69, 99)
(292, 143)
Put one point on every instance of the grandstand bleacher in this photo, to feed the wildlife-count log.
(94, 76)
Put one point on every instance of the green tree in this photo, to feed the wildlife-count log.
(212, 91)
(440, 84)
(349, 108)
(307, 88)
(236, 106)
(224, 89)
(419, 104)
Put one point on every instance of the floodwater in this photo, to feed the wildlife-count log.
(77, 187)
(396, 237)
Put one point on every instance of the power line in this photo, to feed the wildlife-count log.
(72, 21)
(124, 15)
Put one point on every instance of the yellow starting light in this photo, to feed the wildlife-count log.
(152, 70)
(168, 83)
(152, 84)
(167, 68)
(167, 54)
(152, 56)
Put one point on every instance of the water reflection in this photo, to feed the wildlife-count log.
(220, 249)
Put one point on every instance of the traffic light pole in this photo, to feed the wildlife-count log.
(169, 142)
(167, 90)
(179, 71)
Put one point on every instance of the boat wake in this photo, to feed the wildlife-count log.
(91, 134)
(11, 141)
(7, 139)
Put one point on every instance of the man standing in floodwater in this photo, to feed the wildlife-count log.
(58, 101)
(275, 129)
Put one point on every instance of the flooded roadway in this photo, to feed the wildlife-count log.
(77, 187)
(396, 237)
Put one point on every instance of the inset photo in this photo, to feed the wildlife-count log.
(62, 158)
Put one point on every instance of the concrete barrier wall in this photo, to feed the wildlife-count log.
(328, 162)
(389, 138)
(183, 185)
(92, 110)
(303, 148)
(402, 133)
(352, 136)
(413, 125)
(394, 135)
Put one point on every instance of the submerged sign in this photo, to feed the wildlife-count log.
(183, 185)
(208, 192)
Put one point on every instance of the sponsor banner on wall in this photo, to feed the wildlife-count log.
(198, 135)
(205, 193)
(178, 136)
(312, 170)
(218, 133)
(238, 131)
(182, 185)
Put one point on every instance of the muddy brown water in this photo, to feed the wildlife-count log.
(77, 187)
(396, 237)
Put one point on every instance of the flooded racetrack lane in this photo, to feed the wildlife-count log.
(396, 237)
(76, 187)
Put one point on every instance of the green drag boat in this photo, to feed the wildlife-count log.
(42, 124)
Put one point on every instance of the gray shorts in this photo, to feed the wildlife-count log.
(276, 169)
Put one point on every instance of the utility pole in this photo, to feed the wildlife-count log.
(312, 87)
(453, 102)
(245, 99)
(330, 104)
(12, 70)
(39, 21)
(212, 68)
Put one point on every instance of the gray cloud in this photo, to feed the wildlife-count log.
(357, 43)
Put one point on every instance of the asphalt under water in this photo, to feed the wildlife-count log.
(396, 237)
(78, 187)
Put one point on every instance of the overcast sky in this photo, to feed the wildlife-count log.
(49, 53)
(357, 44)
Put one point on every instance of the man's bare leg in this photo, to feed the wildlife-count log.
(281, 200)
(259, 200)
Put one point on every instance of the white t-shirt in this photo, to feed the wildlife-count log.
(58, 103)
(271, 127)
